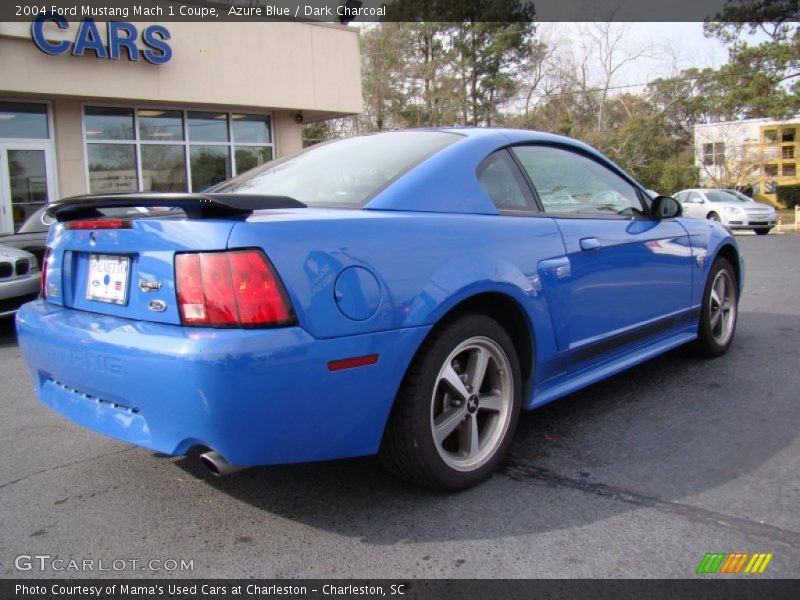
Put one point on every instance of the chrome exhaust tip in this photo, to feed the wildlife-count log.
(214, 462)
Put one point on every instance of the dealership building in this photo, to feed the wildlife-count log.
(91, 107)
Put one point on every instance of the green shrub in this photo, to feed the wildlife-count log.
(789, 195)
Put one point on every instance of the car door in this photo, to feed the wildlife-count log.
(629, 274)
(693, 205)
(682, 198)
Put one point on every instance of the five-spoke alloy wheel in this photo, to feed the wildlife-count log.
(457, 409)
(719, 311)
(471, 403)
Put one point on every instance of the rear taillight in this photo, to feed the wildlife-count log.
(99, 224)
(230, 289)
(43, 280)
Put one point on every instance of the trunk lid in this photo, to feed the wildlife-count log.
(128, 270)
(127, 273)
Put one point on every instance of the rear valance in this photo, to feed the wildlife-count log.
(196, 206)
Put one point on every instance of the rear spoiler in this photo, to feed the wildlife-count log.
(196, 206)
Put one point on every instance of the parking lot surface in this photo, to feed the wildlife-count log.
(638, 476)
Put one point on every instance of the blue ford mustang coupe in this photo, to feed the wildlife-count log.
(402, 293)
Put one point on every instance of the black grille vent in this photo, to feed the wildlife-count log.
(6, 270)
(23, 266)
(86, 396)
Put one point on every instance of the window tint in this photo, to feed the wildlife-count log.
(248, 157)
(208, 127)
(112, 168)
(501, 180)
(22, 120)
(251, 129)
(160, 125)
(210, 165)
(108, 123)
(163, 168)
(342, 173)
(568, 183)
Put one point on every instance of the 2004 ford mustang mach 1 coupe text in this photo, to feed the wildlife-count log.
(405, 293)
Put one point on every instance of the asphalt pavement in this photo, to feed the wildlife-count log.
(638, 476)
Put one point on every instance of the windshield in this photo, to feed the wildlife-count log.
(723, 196)
(345, 172)
(739, 195)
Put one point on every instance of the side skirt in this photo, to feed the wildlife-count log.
(576, 381)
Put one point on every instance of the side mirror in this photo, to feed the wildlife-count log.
(665, 207)
(46, 219)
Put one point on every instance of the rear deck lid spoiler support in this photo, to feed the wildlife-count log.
(196, 206)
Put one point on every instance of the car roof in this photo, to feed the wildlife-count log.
(438, 184)
(508, 135)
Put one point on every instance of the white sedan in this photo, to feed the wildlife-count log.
(733, 210)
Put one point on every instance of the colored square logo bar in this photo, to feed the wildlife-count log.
(720, 562)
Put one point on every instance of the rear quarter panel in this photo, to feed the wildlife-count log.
(425, 264)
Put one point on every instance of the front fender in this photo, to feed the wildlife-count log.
(708, 239)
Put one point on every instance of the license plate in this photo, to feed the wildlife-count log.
(108, 278)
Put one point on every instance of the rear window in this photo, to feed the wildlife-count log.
(345, 173)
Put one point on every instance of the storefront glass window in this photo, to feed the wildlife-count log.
(163, 168)
(248, 157)
(210, 165)
(171, 150)
(250, 129)
(28, 182)
(108, 123)
(112, 168)
(23, 120)
(208, 127)
(160, 125)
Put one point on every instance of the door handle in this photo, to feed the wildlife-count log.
(590, 243)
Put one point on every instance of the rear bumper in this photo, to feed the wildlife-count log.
(254, 396)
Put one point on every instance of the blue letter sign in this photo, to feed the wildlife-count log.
(120, 34)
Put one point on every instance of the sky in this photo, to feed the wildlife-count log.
(672, 46)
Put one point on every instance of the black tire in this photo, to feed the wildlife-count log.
(409, 449)
(709, 341)
(762, 230)
(712, 216)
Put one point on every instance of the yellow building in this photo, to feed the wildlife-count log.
(754, 153)
(778, 152)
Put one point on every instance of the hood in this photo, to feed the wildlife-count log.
(9, 253)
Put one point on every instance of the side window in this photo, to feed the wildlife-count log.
(504, 184)
(568, 183)
(694, 197)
